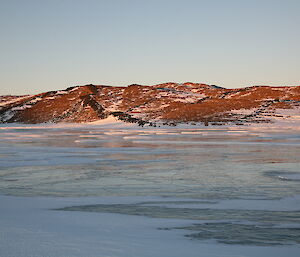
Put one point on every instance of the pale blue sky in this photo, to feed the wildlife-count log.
(48, 45)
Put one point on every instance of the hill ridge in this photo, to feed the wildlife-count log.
(166, 103)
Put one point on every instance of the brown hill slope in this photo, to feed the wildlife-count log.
(167, 103)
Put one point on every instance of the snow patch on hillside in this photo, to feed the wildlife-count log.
(112, 122)
(14, 100)
(21, 108)
(244, 111)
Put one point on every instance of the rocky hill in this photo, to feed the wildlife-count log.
(168, 103)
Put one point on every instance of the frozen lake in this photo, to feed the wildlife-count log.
(120, 190)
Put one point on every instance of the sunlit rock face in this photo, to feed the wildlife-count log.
(167, 103)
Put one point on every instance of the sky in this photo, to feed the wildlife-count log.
(54, 44)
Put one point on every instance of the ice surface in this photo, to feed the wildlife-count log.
(116, 189)
(31, 228)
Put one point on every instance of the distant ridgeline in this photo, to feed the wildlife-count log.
(168, 103)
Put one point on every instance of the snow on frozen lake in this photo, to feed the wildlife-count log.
(115, 189)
